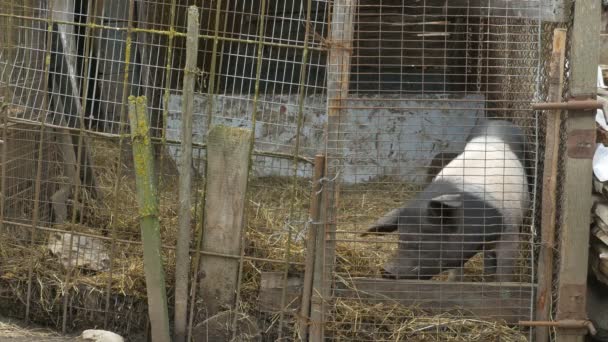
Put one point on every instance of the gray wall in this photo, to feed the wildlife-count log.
(395, 137)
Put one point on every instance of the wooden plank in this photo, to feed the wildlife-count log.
(549, 200)
(182, 251)
(338, 80)
(509, 302)
(271, 290)
(150, 225)
(585, 49)
(228, 167)
(546, 10)
(575, 233)
(581, 134)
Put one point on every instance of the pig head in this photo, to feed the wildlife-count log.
(439, 230)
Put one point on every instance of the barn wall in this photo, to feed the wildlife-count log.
(398, 141)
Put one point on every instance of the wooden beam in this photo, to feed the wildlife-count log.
(574, 246)
(509, 302)
(228, 167)
(182, 250)
(585, 49)
(549, 200)
(545, 10)
(338, 80)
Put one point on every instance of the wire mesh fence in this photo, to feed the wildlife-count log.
(424, 79)
(390, 92)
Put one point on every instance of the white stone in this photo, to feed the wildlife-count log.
(101, 336)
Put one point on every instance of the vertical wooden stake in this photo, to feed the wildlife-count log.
(182, 252)
(580, 147)
(227, 170)
(545, 263)
(148, 210)
(315, 216)
(338, 79)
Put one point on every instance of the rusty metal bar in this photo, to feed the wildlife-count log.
(564, 324)
(570, 105)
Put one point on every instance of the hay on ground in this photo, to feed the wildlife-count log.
(277, 210)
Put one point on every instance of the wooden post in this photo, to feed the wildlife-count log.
(182, 252)
(338, 79)
(310, 245)
(227, 170)
(580, 144)
(147, 197)
(545, 263)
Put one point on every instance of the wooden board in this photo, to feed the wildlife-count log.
(271, 290)
(508, 302)
(228, 167)
(545, 10)
(577, 187)
(549, 195)
(182, 250)
(338, 81)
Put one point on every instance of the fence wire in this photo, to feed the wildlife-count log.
(423, 77)
(68, 67)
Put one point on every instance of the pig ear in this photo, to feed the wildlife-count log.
(444, 206)
(386, 224)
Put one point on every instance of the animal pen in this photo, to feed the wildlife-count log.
(280, 131)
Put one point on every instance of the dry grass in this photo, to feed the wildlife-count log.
(276, 214)
(356, 321)
(12, 331)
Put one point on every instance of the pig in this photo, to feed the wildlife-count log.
(477, 202)
(440, 160)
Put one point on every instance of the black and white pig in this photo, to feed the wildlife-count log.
(477, 202)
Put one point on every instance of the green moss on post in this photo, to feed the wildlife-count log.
(147, 198)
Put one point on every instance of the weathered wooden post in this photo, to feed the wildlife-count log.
(182, 252)
(227, 170)
(311, 242)
(545, 263)
(338, 79)
(147, 197)
(580, 147)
